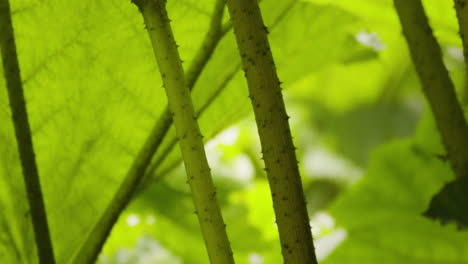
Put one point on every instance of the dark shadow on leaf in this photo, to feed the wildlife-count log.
(451, 203)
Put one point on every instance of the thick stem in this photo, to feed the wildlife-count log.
(275, 135)
(23, 136)
(437, 85)
(157, 163)
(187, 130)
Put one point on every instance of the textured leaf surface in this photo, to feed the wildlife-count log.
(93, 93)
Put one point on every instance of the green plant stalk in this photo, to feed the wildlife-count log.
(275, 135)
(436, 83)
(23, 136)
(206, 50)
(152, 169)
(133, 181)
(187, 130)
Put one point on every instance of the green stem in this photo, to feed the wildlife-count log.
(165, 152)
(133, 181)
(437, 85)
(275, 135)
(23, 136)
(187, 130)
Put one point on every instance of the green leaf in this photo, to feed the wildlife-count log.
(382, 214)
(93, 92)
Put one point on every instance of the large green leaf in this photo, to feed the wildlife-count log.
(93, 93)
(383, 212)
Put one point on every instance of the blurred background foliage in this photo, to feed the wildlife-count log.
(368, 150)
